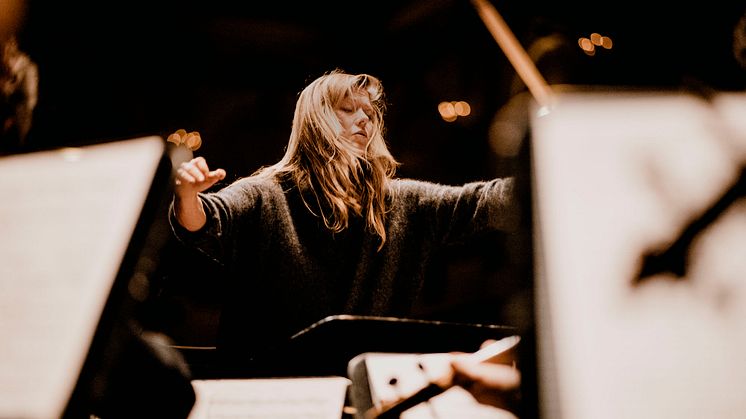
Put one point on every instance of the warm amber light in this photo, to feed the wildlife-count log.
(462, 108)
(447, 111)
(587, 46)
(596, 39)
(450, 111)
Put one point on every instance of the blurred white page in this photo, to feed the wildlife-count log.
(616, 175)
(270, 398)
(66, 219)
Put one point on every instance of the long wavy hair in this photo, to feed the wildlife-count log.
(342, 180)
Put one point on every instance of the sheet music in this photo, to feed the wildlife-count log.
(270, 398)
(66, 219)
(615, 176)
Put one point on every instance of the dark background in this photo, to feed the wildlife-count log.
(232, 70)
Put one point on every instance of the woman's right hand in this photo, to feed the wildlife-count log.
(195, 176)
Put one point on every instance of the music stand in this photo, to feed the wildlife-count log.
(325, 347)
(76, 247)
(620, 176)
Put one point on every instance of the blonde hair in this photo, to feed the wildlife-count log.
(342, 180)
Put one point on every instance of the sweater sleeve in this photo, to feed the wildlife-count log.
(223, 209)
(457, 213)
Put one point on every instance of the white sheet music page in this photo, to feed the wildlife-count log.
(270, 398)
(66, 219)
(617, 176)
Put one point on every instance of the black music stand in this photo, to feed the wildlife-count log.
(325, 347)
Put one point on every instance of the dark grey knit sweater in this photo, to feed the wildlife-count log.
(289, 271)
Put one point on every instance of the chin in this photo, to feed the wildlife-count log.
(359, 144)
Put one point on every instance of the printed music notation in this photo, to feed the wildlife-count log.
(270, 398)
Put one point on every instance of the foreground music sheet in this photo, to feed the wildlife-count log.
(617, 176)
(268, 398)
(66, 219)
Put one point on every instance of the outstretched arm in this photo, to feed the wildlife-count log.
(193, 177)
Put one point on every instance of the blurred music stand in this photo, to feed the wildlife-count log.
(78, 240)
(325, 347)
(616, 176)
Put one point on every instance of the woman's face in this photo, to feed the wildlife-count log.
(355, 114)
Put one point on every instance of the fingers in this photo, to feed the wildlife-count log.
(218, 174)
(195, 170)
(195, 175)
(495, 376)
(487, 343)
(200, 164)
(493, 384)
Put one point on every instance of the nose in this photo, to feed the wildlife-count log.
(361, 118)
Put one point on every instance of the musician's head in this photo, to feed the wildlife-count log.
(18, 94)
(739, 41)
(337, 149)
(342, 112)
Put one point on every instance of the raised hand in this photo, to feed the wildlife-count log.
(195, 176)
